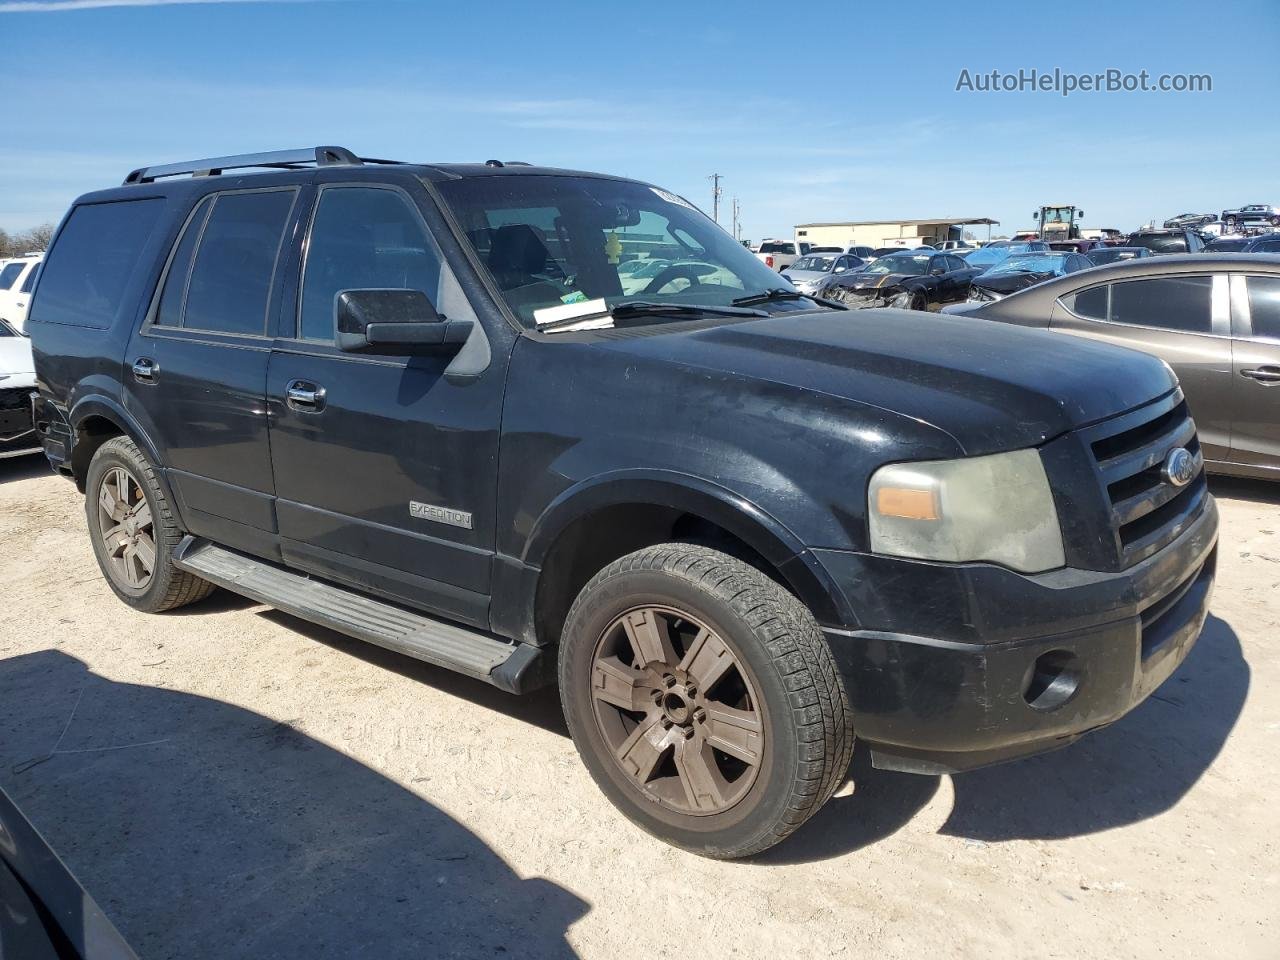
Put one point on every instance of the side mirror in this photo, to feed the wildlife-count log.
(1036, 215)
(1079, 214)
(395, 323)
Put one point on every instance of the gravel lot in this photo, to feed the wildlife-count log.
(231, 782)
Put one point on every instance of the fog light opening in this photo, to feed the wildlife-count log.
(1052, 680)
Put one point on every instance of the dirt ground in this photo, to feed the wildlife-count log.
(231, 782)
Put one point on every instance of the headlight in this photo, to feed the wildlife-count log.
(997, 508)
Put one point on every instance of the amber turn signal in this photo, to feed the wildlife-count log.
(907, 503)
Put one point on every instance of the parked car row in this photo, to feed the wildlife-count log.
(1215, 319)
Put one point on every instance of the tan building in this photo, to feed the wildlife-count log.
(887, 233)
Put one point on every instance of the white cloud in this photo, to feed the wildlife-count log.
(58, 6)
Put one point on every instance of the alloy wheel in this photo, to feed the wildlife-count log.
(125, 525)
(677, 710)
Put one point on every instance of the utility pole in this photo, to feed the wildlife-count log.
(737, 232)
(715, 196)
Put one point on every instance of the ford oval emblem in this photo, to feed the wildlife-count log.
(1179, 466)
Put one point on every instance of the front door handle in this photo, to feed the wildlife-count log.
(304, 396)
(1266, 376)
(145, 370)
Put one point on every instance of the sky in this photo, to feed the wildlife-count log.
(809, 112)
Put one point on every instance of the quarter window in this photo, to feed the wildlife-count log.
(86, 273)
(29, 284)
(230, 280)
(364, 238)
(9, 275)
(1092, 303)
(1264, 306)
(1171, 303)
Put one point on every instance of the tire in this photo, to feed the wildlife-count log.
(918, 302)
(781, 701)
(121, 492)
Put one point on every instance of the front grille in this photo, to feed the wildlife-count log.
(1147, 510)
(15, 412)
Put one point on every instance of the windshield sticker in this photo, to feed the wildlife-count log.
(576, 297)
(581, 308)
(672, 198)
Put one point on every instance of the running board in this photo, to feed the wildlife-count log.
(514, 667)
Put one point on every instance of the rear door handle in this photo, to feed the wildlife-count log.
(304, 396)
(1266, 376)
(145, 370)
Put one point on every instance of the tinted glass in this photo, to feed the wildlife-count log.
(1091, 303)
(571, 261)
(1173, 303)
(364, 239)
(175, 283)
(85, 275)
(1160, 242)
(29, 284)
(1265, 246)
(231, 277)
(1264, 306)
(9, 275)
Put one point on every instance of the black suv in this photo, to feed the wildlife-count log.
(536, 425)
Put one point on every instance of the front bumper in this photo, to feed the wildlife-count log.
(972, 664)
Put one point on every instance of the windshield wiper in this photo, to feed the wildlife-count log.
(778, 293)
(646, 308)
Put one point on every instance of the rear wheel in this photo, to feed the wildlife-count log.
(703, 699)
(134, 531)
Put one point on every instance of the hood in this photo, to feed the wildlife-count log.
(15, 360)
(805, 276)
(878, 281)
(991, 386)
(1007, 283)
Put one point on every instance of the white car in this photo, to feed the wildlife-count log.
(17, 280)
(17, 381)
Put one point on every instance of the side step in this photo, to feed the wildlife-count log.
(515, 667)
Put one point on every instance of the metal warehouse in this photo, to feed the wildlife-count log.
(888, 233)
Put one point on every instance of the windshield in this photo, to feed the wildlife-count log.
(556, 246)
(988, 256)
(1112, 254)
(913, 265)
(1031, 263)
(816, 264)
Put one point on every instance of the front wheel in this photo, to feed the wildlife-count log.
(703, 699)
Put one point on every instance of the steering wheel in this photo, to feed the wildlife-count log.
(674, 272)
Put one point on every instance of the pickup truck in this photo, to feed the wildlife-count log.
(1251, 215)
(739, 527)
(780, 254)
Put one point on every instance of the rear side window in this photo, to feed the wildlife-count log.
(9, 275)
(29, 284)
(1264, 306)
(1171, 303)
(364, 238)
(175, 281)
(1092, 303)
(85, 275)
(231, 275)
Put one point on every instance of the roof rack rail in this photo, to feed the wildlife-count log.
(283, 159)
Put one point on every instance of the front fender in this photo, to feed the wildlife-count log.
(702, 498)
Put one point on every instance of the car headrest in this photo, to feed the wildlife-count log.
(517, 248)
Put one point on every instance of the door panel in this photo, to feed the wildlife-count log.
(196, 372)
(1256, 384)
(1201, 360)
(385, 469)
